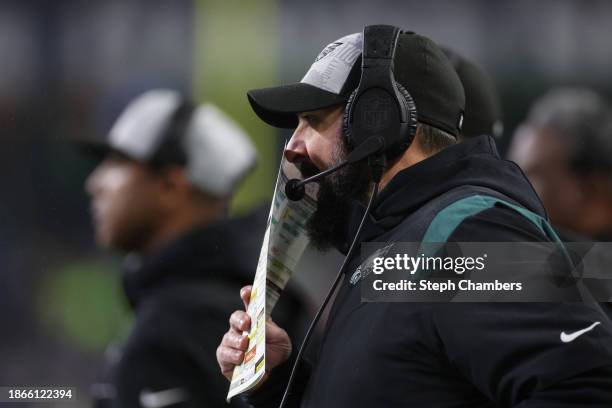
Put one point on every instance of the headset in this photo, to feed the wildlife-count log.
(380, 115)
(380, 106)
(379, 122)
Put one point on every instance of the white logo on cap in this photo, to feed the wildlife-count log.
(333, 65)
(327, 50)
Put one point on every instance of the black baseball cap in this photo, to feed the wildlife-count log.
(419, 65)
(482, 101)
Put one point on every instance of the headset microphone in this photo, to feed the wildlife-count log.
(294, 189)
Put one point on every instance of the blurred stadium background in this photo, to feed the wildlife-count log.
(69, 67)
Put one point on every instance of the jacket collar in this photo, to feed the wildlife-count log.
(218, 251)
(472, 162)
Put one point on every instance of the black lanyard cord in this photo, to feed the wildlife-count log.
(323, 306)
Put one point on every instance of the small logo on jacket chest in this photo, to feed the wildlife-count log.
(365, 268)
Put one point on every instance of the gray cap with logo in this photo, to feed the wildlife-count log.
(160, 127)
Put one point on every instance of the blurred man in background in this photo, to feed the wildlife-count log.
(161, 193)
(565, 148)
(482, 101)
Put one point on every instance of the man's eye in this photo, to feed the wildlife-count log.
(311, 119)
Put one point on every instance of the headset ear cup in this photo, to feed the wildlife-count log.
(346, 121)
(409, 128)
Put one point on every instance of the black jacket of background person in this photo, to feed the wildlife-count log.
(182, 297)
(452, 355)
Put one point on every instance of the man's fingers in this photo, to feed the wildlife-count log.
(230, 352)
(228, 358)
(233, 339)
(231, 356)
(245, 295)
(240, 321)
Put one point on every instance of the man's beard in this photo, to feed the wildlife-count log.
(328, 225)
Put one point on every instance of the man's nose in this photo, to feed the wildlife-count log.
(296, 151)
(92, 183)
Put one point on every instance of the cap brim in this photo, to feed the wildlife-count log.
(279, 106)
(96, 150)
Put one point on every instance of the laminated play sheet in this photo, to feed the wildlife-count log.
(284, 243)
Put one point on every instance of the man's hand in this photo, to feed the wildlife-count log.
(234, 344)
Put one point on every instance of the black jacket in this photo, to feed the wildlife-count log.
(182, 297)
(447, 354)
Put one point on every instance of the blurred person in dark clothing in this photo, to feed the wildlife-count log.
(161, 193)
(565, 148)
(482, 102)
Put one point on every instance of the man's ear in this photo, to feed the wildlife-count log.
(596, 207)
(174, 181)
(598, 186)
